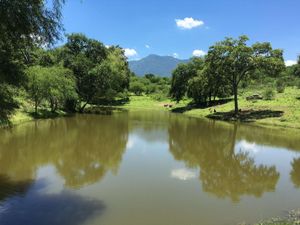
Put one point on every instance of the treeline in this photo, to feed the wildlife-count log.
(152, 85)
(229, 65)
(83, 71)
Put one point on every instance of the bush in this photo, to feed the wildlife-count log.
(269, 94)
(298, 84)
(280, 86)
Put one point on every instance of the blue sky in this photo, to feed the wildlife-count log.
(159, 26)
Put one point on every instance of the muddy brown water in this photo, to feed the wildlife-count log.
(145, 168)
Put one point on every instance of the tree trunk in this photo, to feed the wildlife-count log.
(35, 107)
(82, 108)
(236, 104)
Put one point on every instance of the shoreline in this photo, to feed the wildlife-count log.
(147, 103)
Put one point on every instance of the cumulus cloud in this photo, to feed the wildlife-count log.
(199, 53)
(130, 52)
(188, 23)
(175, 55)
(147, 46)
(290, 62)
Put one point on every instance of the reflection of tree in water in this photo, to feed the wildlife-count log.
(223, 172)
(9, 188)
(50, 209)
(295, 173)
(83, 149)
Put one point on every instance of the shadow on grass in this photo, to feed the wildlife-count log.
(298, 98)
(118, 102)
(103, 110)
(46, 114)
(201, 106)
(246, 116)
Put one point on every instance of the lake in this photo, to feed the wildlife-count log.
(145, 168)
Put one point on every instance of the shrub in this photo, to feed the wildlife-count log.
(280, 86)
(269, 94)
(298, 84)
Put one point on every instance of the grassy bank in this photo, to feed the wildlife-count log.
(282, 111)
(291, 218)
(22, 116)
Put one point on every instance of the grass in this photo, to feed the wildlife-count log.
(146, 102)
(283, 110)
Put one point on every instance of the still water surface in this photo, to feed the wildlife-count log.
(145, 168)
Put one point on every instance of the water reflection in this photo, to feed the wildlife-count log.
(81, 150)
(295, 173)
(10, 188)
(223, 171)
(49, 209)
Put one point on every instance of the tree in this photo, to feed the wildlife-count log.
(59, 86)
(297, 68)
(54, 84)
(137, 87)
(181, 75)
(236, 61)
(23, 25)
(198, 88)
(82, 55)
(35, 87)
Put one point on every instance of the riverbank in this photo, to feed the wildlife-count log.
(22, 116)
(291, 218)
(282, 111)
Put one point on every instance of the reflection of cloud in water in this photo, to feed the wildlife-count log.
(65, 208)
(183, 174)
(54, 182)
(246, 147)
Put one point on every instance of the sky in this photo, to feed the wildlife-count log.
(183, 28)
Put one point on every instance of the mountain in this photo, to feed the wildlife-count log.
(155, 64)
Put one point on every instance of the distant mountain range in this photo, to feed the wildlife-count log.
(155, 64)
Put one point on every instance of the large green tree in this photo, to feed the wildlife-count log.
(181, 75)
(55, 85)
(23, 24)
(236, 61)
(81, 55)
(297, 68)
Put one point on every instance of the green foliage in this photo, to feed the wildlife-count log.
(198, 88)
(24, 24)
(56, 85)
(7, 102)
(100, 73)
(269, 94)
(298, 84)
(181, 76)
(137, 87)
(280, 86)
(236, 61)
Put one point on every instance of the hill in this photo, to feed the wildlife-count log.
(155, 64)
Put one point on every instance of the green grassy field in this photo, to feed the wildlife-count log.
(283, 110)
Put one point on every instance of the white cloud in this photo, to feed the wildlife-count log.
(175, 55)
(147, 46)
(107, 46)
(130, 52)
(183, 174)
(199, 53)
(188, 23)
(290, 62)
